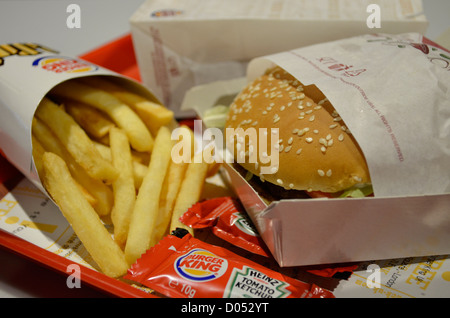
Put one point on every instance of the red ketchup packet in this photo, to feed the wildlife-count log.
(336, 271)
(228, 221)
(180, 266)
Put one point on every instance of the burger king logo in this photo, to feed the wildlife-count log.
(60, 64)
(200, 265)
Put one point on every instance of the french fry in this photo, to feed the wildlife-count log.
(139, 169)
(38, 151)
(171, 188)
(124, 117)
(139, 157)
(76, 141)
(123, 187)
(172, 184)
(94, 122)
(102, 194)
(190, 191)
(153, 114)
(146, 206)
(81, 216)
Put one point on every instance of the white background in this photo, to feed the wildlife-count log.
(44, 22)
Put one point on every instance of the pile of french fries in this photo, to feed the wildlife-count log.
(104, 152)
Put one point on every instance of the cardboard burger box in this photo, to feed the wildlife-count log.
(392, 93)
(180, 44)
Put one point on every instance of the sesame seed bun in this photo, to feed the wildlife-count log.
(316, 150)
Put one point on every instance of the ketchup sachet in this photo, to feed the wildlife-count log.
(227, 219)
(181, 266)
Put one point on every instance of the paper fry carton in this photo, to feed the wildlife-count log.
(28, 71)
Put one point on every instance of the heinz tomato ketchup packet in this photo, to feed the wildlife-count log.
(228, 220)
(181, 266)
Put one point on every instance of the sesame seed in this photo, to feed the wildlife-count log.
(282, 108)
(295, 130)
(329, 173)
(337, 119)
(287, 149)
(309, 140)
(323, 149)
(330, 143)
(323, 101)
(341, 137)
(281, 148)
(279, 181)
(333, 126)
(312, 118)
(290, 141)
(274, 169)
(356, 178)
(322, 141)
(291, 185)
(299, 151)
(321, 172)
(328, 137)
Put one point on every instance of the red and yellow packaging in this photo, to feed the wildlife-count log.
(185, 267)
(227, 220)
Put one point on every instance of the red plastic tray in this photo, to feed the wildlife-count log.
(118, 56)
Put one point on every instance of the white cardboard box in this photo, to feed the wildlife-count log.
(404, 221)
(180, 44)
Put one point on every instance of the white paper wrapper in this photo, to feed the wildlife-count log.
(391, 225)
(180, 44)
(393, 92)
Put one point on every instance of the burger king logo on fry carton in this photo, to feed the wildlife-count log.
(200, 265)
(61, 64)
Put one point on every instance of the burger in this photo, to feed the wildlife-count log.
(318, 155)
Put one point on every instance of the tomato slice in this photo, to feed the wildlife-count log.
(320, 194)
